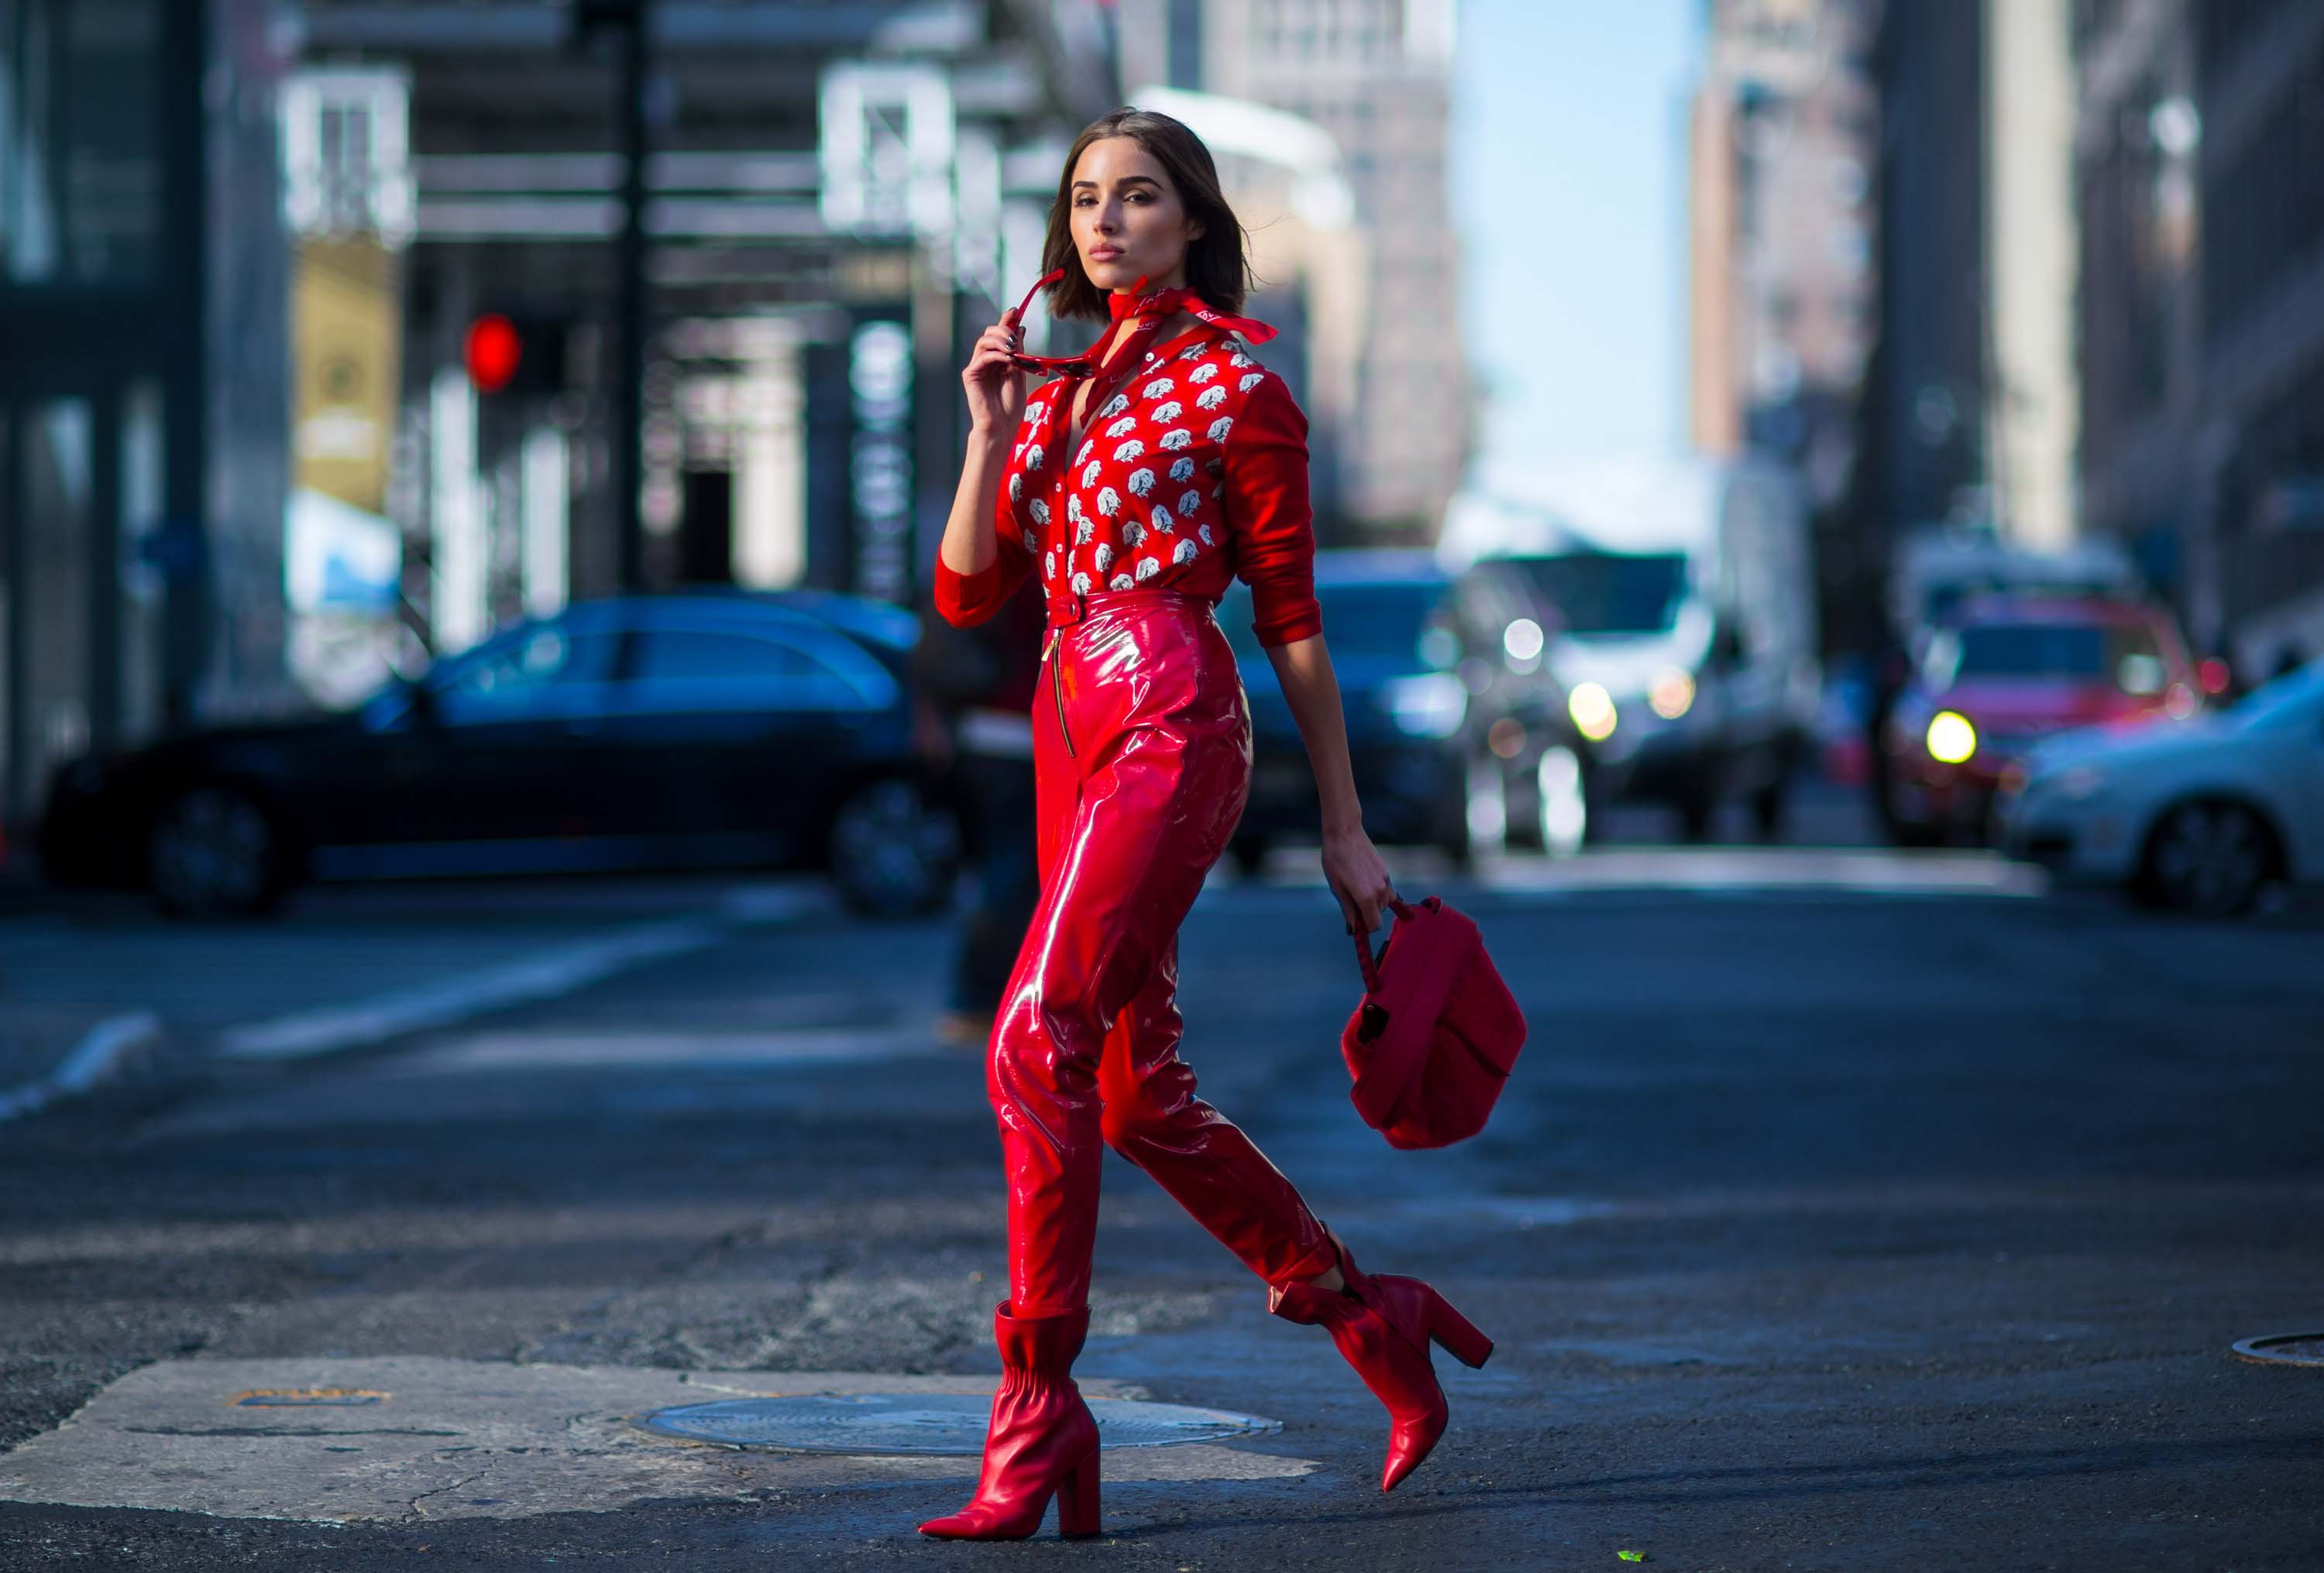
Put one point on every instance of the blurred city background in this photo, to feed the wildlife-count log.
(1822, 519)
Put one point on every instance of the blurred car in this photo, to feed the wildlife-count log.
(1457, 730)
(2201, 817)
(2003, 673)
(682, 731)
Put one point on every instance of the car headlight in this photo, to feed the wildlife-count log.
(1593, 712)
(1952, 739)
(1671, 694)
(1430, 705)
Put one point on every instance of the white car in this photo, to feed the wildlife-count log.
(2199, 815)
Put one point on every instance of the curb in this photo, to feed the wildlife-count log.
(99, 1056)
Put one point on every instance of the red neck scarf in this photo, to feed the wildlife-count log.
(1149, 311)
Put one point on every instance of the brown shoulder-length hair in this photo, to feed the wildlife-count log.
(1218, 266)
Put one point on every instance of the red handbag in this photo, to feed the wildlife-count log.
(1437, 1033)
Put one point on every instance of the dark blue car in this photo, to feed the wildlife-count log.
(653, 733)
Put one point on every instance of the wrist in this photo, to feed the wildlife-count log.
(1347, 822)
(991, 436)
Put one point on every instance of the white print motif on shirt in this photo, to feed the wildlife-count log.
(1128, 530)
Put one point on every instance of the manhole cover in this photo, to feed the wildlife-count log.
(2284, 1349)
(924, 1422)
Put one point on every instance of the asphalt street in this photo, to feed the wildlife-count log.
(1868, 1214)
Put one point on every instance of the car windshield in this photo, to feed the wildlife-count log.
(1616, 592)
(1384, 619)
(2295, 699)
(2123, 654)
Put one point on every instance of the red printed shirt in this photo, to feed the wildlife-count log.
(1191, 473)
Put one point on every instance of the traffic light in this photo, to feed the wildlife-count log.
(515, 354)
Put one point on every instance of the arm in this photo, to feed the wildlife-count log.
(980, 562)
(1352, 866)
(1275, 554)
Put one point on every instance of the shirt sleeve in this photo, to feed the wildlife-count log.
(1269, 513)
(965, 599)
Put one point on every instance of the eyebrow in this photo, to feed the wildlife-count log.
(1126, 180)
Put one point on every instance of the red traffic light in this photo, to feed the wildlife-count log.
(493, 351)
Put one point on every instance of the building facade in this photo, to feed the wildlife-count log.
(834, 201)
(1972, 399)
(1394, 413)
(2200, 129)
(143, 393)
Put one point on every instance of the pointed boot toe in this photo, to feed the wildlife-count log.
(1042, 1441)
(1383, 1327)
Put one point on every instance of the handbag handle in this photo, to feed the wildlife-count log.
(1364, 958)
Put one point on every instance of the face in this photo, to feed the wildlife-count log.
(1128, 222)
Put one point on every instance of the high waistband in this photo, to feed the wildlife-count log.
(1065, 611)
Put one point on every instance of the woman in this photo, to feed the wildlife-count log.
(1134, 485)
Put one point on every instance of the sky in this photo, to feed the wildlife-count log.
(1569, 188)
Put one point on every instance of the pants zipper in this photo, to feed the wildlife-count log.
(1056, 689)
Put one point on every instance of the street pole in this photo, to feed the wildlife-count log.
(630, 313)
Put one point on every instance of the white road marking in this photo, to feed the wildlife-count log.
(544, 975)
(100, 1053)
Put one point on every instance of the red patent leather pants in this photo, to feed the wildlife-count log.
(1141, 746)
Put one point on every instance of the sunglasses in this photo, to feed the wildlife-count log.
(1080, 366)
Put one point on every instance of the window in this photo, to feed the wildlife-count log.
(536, 673)
(2035, 651)
(698, 670)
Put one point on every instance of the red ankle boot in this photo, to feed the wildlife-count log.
(1382, 1327)
(1042, 1441)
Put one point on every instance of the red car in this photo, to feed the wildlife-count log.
(2004, 672)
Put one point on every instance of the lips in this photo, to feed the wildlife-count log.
(1105, 254)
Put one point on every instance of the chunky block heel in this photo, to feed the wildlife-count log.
(1077, 1514)
(1456, 1335)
